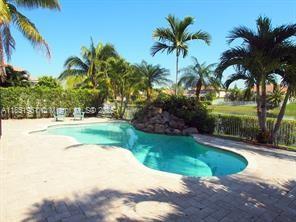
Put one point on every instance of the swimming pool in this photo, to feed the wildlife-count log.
(174, 154)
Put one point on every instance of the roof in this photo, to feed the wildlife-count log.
(270, 88)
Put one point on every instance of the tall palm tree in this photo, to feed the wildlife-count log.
(10, 15)
(175, 38)
(151, 75)
(198, 76)
(92, 65)
(261, 53)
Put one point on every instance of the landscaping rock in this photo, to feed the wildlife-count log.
(158, 128)
(189, 131)
(158, 121)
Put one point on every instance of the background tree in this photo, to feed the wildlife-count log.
(261, 53)
(15, 78)
(175, 38)
(48, 81)
(151, 75)
(198, 76)
(275, 98)
(92, 65)
(125, 82)
(10, 15)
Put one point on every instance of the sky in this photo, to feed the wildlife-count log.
(129, 24)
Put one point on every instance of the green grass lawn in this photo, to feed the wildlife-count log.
(250, 110)
(237, 110)
(290, 110)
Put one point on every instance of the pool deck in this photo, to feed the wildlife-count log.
(52, 178)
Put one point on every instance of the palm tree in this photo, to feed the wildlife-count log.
(288, 79)
(198, 76)
(11, 16)
(92, 65)
(151, 75)
(125, 82)
(261, 53)
(175, 38)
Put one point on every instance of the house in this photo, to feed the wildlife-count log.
(220, 93)
(270, 88)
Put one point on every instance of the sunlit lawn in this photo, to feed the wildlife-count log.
(250, 110)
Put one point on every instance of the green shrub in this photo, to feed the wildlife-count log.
(194, 114)
(247, 127)
(16, 101)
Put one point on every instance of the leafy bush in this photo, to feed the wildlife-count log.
(194, 114)
(48, 81)
(247, 127)
(16, 101)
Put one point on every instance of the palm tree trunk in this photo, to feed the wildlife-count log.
(2, 62)
(197, 90)
(263, 106)
(280, 116)
(2, 76)
(149, 94)
(177, 72)
(258, 101)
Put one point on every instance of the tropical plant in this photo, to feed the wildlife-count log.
(249, 80)
(15, 78)
(234, 94)
(175, 38)
(92, 65)
(48, 81)
(275, 98)
(125, 82)
(177, 88)
(10, 15)
(260, 54)
(198, 76)
(151, 75)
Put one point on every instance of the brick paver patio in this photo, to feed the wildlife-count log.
(51, 178)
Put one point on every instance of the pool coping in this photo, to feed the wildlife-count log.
(251, 165)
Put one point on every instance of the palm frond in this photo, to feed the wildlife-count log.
(51, 4)
(284, 32)
(5, 12)
(241, 32)
(235, 77)
(71, 72)
(173, 21)
(76, 62)
(199, 35)
(183, 24)
(164, 34)
(8, 41)
(28, 29)
(160, 47)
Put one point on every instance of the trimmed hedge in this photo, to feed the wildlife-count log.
(39, 102)
(247, 127)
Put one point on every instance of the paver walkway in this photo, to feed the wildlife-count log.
(49, 178)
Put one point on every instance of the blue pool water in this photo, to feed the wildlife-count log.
(174, 154)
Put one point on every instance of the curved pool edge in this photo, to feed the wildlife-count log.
(131, 157)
